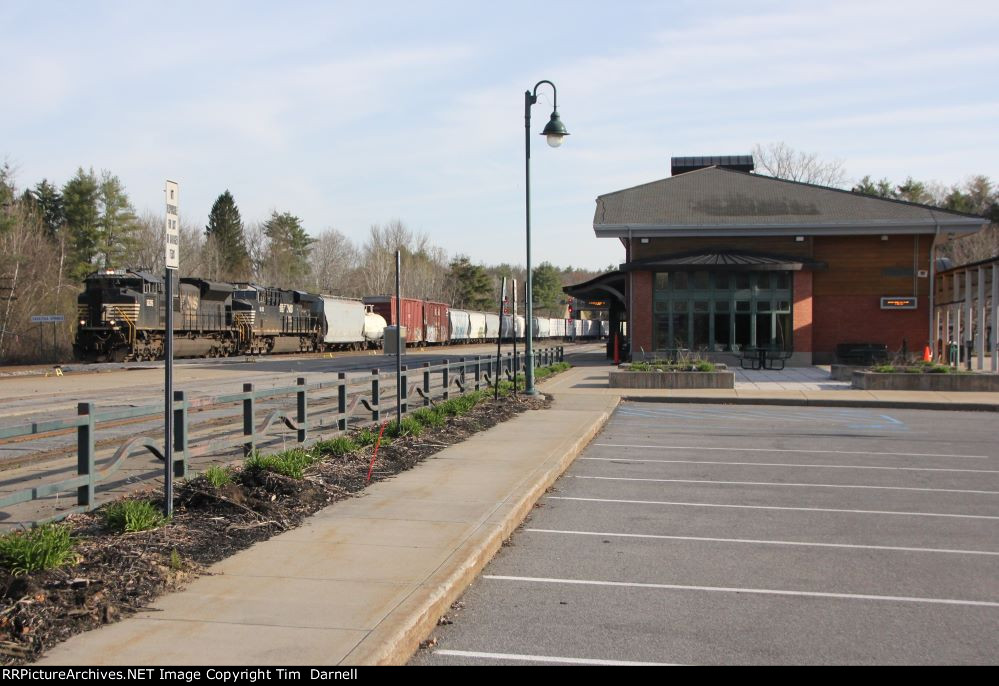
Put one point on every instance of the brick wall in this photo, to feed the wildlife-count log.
(641, 312)
(860, 319)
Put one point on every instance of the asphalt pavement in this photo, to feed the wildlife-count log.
(720, 534)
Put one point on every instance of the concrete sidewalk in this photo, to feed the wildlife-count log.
(365, 580)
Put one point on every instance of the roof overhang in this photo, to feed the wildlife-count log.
(868, 228)
(599, 288)
(725, 260)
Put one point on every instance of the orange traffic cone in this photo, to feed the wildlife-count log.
(927, 355)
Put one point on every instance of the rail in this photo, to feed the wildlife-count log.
(323, 407)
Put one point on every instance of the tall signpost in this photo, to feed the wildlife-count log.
(499, 339)
(398, 341)
(172, 262)
(516, 360)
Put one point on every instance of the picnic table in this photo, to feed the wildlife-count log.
(764, 357)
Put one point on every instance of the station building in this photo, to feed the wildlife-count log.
(718, 260)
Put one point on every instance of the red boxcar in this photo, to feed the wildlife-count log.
(436, 323)
(412, 314)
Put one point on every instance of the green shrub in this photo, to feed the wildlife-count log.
(218, 476)
(43, 547)
(290, 463)
(884, 369)
(704, 366)
(339, 446)
(126, 516)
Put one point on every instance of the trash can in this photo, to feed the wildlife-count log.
(390, 334)
(952, 356)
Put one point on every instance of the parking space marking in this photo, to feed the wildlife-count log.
(621, 460)
(850, 419)
(755, 591)
(786, 450)
(550, 658)
(778, 483)
(804, 544)
(771, 507)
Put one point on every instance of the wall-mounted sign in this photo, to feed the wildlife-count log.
(47, 318)
(905, 302)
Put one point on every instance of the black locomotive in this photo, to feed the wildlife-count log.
(122, 316)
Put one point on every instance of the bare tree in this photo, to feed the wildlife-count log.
(333, 260)
(783, 162)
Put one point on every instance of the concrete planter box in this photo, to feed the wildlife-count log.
(844, 372)
(716, 379)
(874, 381)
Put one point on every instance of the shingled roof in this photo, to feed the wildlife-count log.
(722, 202)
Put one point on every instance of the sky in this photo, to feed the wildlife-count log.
(349, 114)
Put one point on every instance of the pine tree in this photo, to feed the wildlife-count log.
(547, 287)
(117, 223)
(49, 203)
(289, 249)
(225, 226)
(82, 218)
(472, 286)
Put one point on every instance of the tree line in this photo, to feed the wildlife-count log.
(52, 237)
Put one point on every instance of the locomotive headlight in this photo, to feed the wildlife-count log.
(83, 322)
(111, 322)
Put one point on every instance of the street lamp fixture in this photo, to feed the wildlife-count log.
(554, 133)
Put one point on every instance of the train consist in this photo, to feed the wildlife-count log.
(122, 315)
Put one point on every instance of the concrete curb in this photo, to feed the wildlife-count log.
(821, 402)
(400, 633)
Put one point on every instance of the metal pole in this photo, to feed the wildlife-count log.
(529, 347)
(398, 340)
(168, 396)
(516, 360)
(499, 339)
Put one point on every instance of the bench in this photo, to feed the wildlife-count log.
(861, 353)
(767, 357)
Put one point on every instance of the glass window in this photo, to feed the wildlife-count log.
(701, 281)
(762, 305)
(661, 306)
(742, 306)
(742, 280)
(662, 281)
(783, 306)
(700, 306)
(679, 281)
(781, 280)
(721, 305)
(680, 306)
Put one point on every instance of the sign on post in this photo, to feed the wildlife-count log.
(47, 319)
(172, 226)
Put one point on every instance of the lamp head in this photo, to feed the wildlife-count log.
(554, 131)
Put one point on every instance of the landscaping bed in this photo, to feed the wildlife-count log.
(686, 373)
(923, 377)
(95, 568)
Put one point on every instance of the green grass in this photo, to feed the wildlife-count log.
(43, 547)
(410, 426)
(368, 436)
(339, 446)
(127, 516)
(687, 364)
(430, 418)
(218, 476)
(291, 463)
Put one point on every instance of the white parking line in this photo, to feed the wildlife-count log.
(786, 464)
(806, 544)
(772, 507)
(786, 450)
(756, 591)
(550, 658)
(777, 483)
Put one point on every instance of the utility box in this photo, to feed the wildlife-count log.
(389, 346)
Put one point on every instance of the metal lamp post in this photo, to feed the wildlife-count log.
(554, 133)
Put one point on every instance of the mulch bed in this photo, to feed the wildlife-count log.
(120, 574)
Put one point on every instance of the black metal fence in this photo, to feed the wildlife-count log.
(319, 408)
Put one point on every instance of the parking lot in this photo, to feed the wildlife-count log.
(701, 534)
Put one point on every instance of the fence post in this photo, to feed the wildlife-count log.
(461, 388)
(478, 371)
(341, 401)
(404, 391)
(561, 353)
(447, 379)
(85, 454)
(303, 407)
(180, 435)
(426, 384)
(375, 412)
(248, 430)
